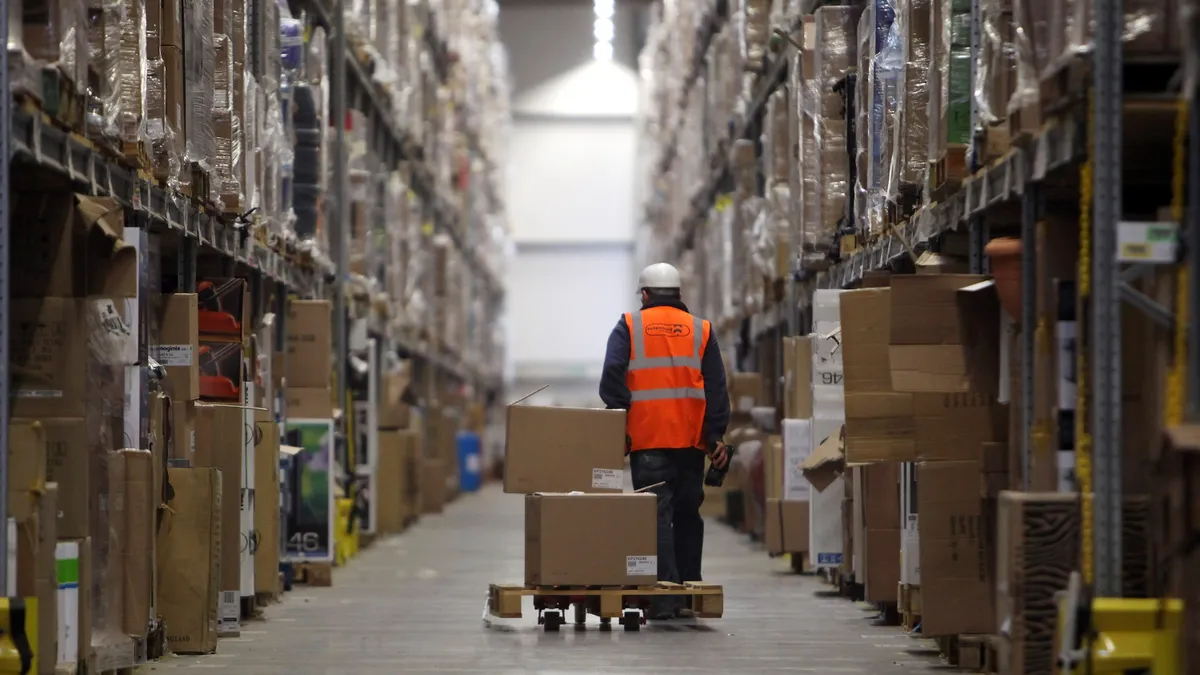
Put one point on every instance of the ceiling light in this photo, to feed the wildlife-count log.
(603, 51)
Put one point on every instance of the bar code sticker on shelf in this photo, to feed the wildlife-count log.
(608, 479)
(229, 615)
(641, 565)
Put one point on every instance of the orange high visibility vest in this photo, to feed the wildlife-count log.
(665, 384)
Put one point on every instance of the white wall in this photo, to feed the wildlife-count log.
(570, 194)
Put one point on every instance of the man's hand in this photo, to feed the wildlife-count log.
(719, 454)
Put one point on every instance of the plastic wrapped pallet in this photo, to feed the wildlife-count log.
(757, 30)
(1150, 29)
(999, 69)
(887, 63)
(834, 55)
(864, 154)
(52, 34)
(910, 130)
(199, 63)
(950, 91)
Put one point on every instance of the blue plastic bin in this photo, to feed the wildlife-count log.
(470, 461)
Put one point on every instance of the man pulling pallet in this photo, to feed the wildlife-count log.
(664, 366)
(589, 545)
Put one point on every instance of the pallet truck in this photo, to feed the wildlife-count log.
(18, 634)
(1117, 636)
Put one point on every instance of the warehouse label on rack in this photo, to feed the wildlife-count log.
(173, 356)
(608, 479)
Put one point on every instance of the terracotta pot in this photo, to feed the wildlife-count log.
(1005, 255)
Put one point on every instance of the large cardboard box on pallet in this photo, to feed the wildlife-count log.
(189, 560)
(564, 450)
(591, 539)
(266, 503)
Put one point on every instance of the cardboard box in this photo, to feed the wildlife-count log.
(309, 343)
(189, 560)
(745, 392)
(219, 445)
(70, 247)
(224, 309)
(266, 503)
(591, 540)
(925, 351)
(141, 508)
(179, 345)
(310, 403)
(183, 430)
(390, 480)
(222, 370)
(881, 529)
(73, 559)
(433, 485)
(797, 377)
(564, 450)
(48, 356)
(956, 589)
(68, 464)
(774, 526)
(394, 411)
(786, 526)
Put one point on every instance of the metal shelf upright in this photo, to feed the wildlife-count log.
(6, 103)
(1105, 319)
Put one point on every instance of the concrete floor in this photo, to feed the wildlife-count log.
(413, 604)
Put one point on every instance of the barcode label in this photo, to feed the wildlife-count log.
(641, 565)
(607, 479)
(229, 613)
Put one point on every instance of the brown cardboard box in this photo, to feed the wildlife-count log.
(394, 413)
(956, 588)
(774, 526)
(925, 349)
(564, 450)
(179, 345)
(49, 348)
(219, 442)
(183, 430)
(953, 426)
(266, 503)
(797, 374)
(310, 403)
(411, 472)
(70, 247)
(309, 343)
(433, 485)
(745, 392)
(591, 540)
(390, 478)
(773, 467)
(67, 464)
(794, 518)
(84, 616)
(189, 560)
(140, 514)
(35, 573)
(27, 459)
(879, 421)
(881, 530)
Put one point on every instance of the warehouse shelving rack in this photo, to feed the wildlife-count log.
(26, 140)
(1016, 183)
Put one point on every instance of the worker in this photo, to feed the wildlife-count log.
(663, 365)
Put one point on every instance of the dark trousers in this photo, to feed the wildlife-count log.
(680, 527)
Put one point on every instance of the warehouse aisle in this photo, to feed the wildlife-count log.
(412, 605)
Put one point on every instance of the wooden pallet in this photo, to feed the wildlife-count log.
(626, 603)
(318, 574)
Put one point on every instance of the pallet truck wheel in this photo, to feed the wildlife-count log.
(605, 623)
(553, 619)
(580, 614)
(632, 620)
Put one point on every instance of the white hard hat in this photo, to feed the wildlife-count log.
(659, 275)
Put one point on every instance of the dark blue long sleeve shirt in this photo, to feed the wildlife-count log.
(614, 391)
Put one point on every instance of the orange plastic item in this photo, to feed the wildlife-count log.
(1005, 255)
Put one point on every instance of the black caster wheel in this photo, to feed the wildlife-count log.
(605, 623)
(632, 620)
(552, 619)
(580, 614)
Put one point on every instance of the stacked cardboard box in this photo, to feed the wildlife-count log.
(580, 528)
(400, 458)
(309, 359)
(788, 511)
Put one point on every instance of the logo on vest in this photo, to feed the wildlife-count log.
(668, 330)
